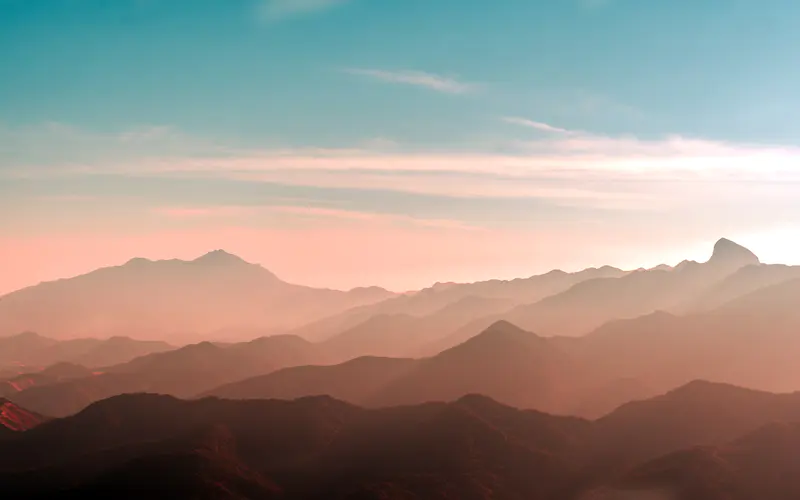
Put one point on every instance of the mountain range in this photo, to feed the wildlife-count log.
(216, 295)
(702, 440)
(671, 383)
(716, 326)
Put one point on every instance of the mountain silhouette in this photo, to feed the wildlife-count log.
(355, 381)
(760, 464)
(30, 352)
(53, 374)
(504, 362)
(183, 372)
(404, 335)
(687, 442)
(172, 300)
(732, 255)
(484, 297)
(591, 303)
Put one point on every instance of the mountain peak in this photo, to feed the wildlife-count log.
(726, 251)
(216, 257)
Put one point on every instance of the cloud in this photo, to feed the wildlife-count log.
(335, 213)
(278, 10)
(558, 171)
(305, 211)
(416, 78)
(544, 127)
(180, 212)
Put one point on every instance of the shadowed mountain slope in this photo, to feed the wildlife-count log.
(354, 381)
(150, 446)
(53, 374)
(31, 351)
(504, 362)
(13, 418)
(183, 372)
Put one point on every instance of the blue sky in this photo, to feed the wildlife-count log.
(536, 124)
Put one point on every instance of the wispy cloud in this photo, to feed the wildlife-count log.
(305, 211)
(278, 10)
(558, 169)
(418, 78)
(544, 127)
(181, 212)
(335, 213)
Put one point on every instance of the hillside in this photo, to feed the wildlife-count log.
(150, 446)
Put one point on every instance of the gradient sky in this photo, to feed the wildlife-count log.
(396, 142)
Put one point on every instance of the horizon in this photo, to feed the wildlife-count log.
(706, 254)
(415, 158)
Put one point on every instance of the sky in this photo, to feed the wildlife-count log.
(345, 143)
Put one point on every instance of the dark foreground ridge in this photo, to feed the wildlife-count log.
(687, 442)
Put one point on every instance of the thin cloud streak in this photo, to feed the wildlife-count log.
(307, 212)
(544, 127)
(416, 78)
(621, 173)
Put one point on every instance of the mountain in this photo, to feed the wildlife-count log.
(16, 419)
(50, 375)
(746, 280)
(702, 441)
(146, 446)
(484, 297)
(403, 335)
(588, 376)
(697, 413)
(354, 381)
(762, 464)
(506, 363)
(592, 303)
(29, 352)
(170, 299)
(750, 341)
(183, 372)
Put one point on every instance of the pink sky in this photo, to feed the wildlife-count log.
(344, 255)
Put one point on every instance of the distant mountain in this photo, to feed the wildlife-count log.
(29, 351)
(485, 297)
(592, 303)
(355, 381)
(746, 280)
(171, 299)
(183, 372)
(751, 341)
(506, 363)
(589, 376)
(51, 375)
(404, 335)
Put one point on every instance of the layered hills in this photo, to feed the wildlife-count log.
(150, 446)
